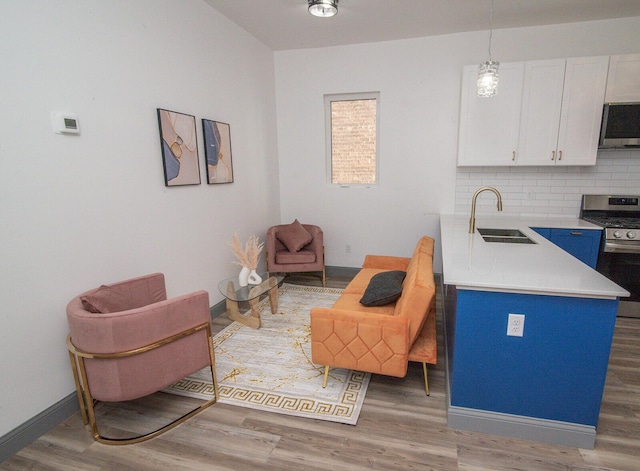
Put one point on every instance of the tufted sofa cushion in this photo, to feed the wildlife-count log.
(377, 344)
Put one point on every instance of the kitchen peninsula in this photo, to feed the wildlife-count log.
(545, 385)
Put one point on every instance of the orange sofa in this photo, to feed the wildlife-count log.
(381, 339)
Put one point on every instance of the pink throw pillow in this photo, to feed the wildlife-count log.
(294, 236)
(105, 300)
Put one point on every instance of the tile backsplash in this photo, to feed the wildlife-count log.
(548, 191)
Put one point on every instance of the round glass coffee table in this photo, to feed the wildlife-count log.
(235, 294)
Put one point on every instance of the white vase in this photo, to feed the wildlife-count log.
(254, 278)
(243, 277)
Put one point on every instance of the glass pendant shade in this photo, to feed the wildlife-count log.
(488, 78)
(323, 8)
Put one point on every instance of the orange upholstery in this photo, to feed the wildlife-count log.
(381, 339)
(358, 341)
(421, 289)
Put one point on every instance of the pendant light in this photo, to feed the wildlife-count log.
(488, 71)
(323, 8)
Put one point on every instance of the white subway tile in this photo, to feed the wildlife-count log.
(553, 190)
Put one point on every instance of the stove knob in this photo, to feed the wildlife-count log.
(617, 234)
(631, 235)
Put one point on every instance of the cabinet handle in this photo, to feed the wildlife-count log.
(553, 155)
(514, 156)
(560, 155)
(576, 233)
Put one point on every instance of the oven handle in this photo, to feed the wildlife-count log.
(612, 247)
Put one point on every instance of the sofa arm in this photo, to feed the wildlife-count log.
(360, 341)
(386, 262)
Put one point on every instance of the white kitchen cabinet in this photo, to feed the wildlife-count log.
(489, 126)
(541, 106)
(561, 111)
(623, 84)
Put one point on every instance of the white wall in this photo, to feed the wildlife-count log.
(419, 85)
(79, 211)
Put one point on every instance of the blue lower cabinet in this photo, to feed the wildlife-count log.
(582, 244)
(555, 371)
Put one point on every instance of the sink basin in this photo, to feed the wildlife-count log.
(509, 240)
(505, 236)
(501, 232)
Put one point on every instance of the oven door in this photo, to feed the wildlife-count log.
(623, 268)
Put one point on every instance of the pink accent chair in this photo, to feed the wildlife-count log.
(127, 340)
(310, 258)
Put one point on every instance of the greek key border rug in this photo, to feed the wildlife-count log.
(270, 368)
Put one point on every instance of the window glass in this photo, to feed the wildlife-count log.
(352, 139)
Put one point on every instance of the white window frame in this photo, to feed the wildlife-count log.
(328, 99)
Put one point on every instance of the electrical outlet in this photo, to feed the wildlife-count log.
(515, 325)
(347, 248)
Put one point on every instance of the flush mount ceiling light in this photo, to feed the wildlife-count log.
(488, 71)
(323, 8)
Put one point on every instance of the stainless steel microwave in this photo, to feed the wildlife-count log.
(620, 126)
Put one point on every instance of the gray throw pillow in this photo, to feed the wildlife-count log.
(384, 288)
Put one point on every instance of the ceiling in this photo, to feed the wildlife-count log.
(286, 24)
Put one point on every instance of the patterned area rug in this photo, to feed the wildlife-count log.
(270, 368)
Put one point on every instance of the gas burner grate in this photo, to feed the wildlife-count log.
(615, 222)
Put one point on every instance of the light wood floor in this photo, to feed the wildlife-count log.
(399, 429)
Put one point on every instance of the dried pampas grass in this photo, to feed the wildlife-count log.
(249, 255)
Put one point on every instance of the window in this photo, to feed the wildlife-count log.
(352, 139)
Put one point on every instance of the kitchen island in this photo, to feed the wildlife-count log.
(547, 384)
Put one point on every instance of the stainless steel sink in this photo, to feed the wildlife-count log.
(505, 236)
(501, 232)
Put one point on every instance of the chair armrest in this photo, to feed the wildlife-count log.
(317, 243)
(386, 262)
(360, 341)
(271, 247)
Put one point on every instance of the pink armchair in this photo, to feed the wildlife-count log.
(295, 248)
(127, 340)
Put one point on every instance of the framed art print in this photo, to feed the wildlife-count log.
(217, 150)
(179, 148)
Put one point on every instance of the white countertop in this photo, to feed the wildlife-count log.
(542, 268)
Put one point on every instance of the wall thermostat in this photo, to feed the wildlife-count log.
(64, 123)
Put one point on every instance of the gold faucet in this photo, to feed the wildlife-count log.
(472, 221)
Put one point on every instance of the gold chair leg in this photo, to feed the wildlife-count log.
(212, 362)
(426, 381)
(141, 438)
(326, 376)
(79, 392)
(87, 402)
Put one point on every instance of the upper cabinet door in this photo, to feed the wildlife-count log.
(584, 88)
(623, 84)
(562, 110)
(541, 106)
(489, 126)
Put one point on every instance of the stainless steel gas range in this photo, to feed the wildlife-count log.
(619, 257)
